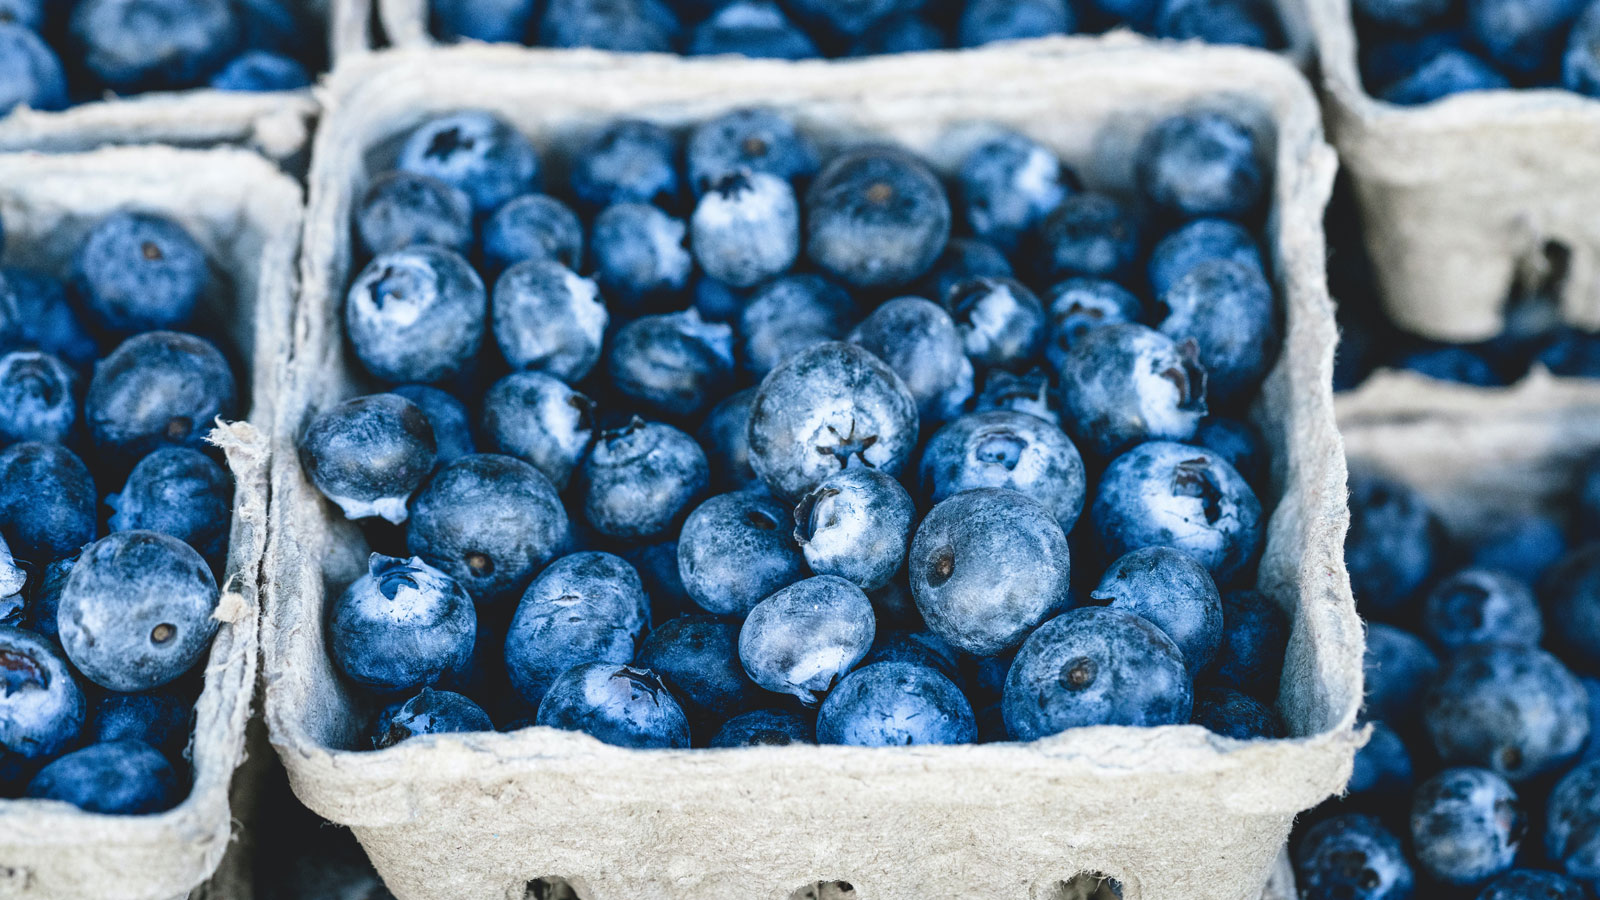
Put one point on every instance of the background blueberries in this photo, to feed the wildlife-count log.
(1352, 856)
(1476, 606)
(755, 140)
(1466, 825)
(1514, 710)
(1201, 164)
(123, 778)
(30, 72)
(404, 208)
(156, 389)
(532, 227)
(627, 161)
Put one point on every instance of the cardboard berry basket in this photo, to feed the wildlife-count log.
(246, 215)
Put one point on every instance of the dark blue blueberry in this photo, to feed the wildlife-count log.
(754, 28)
(725, 435)
(179, 492)
(922, 344)
(1245, 22)
(657, 565)
(1196, 242)
(1522, 36)
(1383, 768)
(900, 33)
(138, 272)
(804, 638)
(1480, 606)
(620, 705)
(158, 389)
(986, 566)
(715, 301)
(25, 13)
(416, 314)
(120, 778)
(1397, 668)
(1531, 884)
(1028, 393)
(1572, 601)
(1079, 305)
(38, 398)
(1522, 546)
(1095, 666)
(1450, 71)
(1125, 384)
(584, 608)
(404, 208)
(856, 524)
(1451, 363)
(532, 226)
(1351, 857)
(1466, 826)
(1586, 494)
(1238, 442)
(623, 26)
(402, 626)
(735, 551)
(1006, 449)
(44, 597)
(1392, 543)
(30, 72)
(1089, 235)
(12, 579)
(988, 21)
(161, 719)
(47, 502)
(278, 25)
(961, 260)
(876, 217)
(766, 728)
(627, 161)
(452, 431)
(429, 712)
(1516, 710)
(924, 648)
(675, 365)
(640, 480)
(789, 314)
(369, 454)
(260, 71)
(1572, 832)
(1008, 184)
(1573, 354)
(1229, 311)
(697, 658)
(45, 320)
(849, 18)
(1580, 63)
(896, 704)
(746, 228)
(826, 408)
(1139, 15)
(1201, 164)
(142, 45)
(490, 522)
(476, 151)
(549, 319)
(493, 21)
(639, 253)
(1386, 58)
(1402, 13)
(754, 140)
(42, 709)
(1175, 593)
(1255, 634)
(540, 421)
(1230, 713)
(1002, 323)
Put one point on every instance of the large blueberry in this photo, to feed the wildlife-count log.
(1002, 323)
(1005, 449)
(753, 28)
(1089, 235)
(1572, 825)
(38, 398)
(1196, 242)
(640, 480)
(735, 551)
(404, 208)
(1572, 598)
(416, 314)
(30, 71)
(162, 719)
(1515, 710)
(1352, 857)
(476, 151)
(1007, 185)
(1172, 590)
(756, 140)
(402, 626)
(1397, 668)
(47, 502)
(766, 728)
(1201, 164)
(429, 712)
(746, 228)
(1466, 825)
(179, 492)
(639, 254)
(725, 435)
(627, 161)
(1125, 384)
(922, 344)
(452, 431)
(895, 704)
(623, 26)
(369, 454)
(1255, 634)
(586, 607)
(141, 45)
(42, 709)
(697, 658)
(1402, 13)
(493, 21)
(804, 638)
(532, 226)
(856, 524)
(1478, 606)
(1234, 714)
(675, 365)
(1392, 542)
(619, 705)
(548, 318)
(156, 389)
(1079, 305)
(876, 217)
(120, 778)
(789, 314)
(540, 421)
(1228, 310)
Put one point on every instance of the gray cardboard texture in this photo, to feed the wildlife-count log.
(1173, 812)
(1461, 197)
(247, 217)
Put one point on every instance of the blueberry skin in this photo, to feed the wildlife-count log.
(429, 712)
(766, 728)
(1352, 857)
(369, 454)
(158, 389)
(1238, 442)
(1392, 543)
(1079, 305)
(753, 28)
(452, 431)
(1125, 384)
(1383, 767)
(38, 398)
(622, 26)
(657, 565)
(1243, 22)
(1580, 63)
(755, 140)
(1572, 832)
(988, 21)
(675, 365)
(986, 566)
(924, 649)
(725, 435)
(922, 344)
(1095, 666)
(136, 611)
(1522, 37)
(1478, 606)
(962, 260)
(855, 525)
(12, 579)
(42, 709)
(627, 161)
(1089, 235)
(801, 640)
(1572, 599)
(735, 550)
(1229, 311)
(1006, 449)
(491, 21)
(697, 658)
(895, 704)
(121, 778)
(1029, 393)
(876, 217)
(179, 492)
(1002, 323)
(639, 254)
(30, 72)
(789, 314)
(1402, 13)
(401, 627)
(549, 319)
(586, 607)
(44, 597)
(161, 719)
(1255, 634)
(489, 522)
(1175, 255)
(1007, 185)
(641, 479)
(540, 421)
(1515, 710)
(476, 151)
(746, 228)
(416, 314)
(47, 502)
(532, 226)
(404, 208)
(1450, 71)
(848, 18)
(834, 396)
(620, 705)
(141, 45)
(1174, 592)
(139, 272)
(1451, 363)
(1201, 164)
(901, 33)
(1397, 668)
(1522, 546)
(1466, 826)
(261, 71)
(1531, 884)
(44, 319)
(1233, 714)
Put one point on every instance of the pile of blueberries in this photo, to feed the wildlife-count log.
(1482, 777)
(54, 53)
(101, 640)
(816, 476)
(805, 29)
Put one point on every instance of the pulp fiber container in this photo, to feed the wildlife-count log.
(247, 217)
(1468, 199)
(1175, 812)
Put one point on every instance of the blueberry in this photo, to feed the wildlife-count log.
(27, 14)
(1383, 768)
(1397, 669)
(139, 272)
(180, 492)
(804, 638)
(157, 389)
(1402, 13)
(161, 719)
(1522, 546)
(766, 728)
(402, 626)
(1572, 833)
(849, 18)
(789, 314)
(923, 648)
(44, 597)
(137, 610)
(1232, 714)
(141, 45)
(1125, 384)
(369, 454)
(826, 408)
(1524, 36)
(1095, 666)
(260, 71)
(492, 21)
(400, 209)
(1450, 71)
(1195, 242)
(488, 521)
(746, 228)
(1351, 857)
(429, 712)
(1530, 884)
(619, 705)
(753, 28)
(988, 21)
(1255, 635)
(1479, 606)
(540, 421)
(30, 72)
(627, 161)
(1392, 542)
(47, 502)
(1572, 354)
(755, 140)
(549, 319)
(896, 704)
(735, 550)
(416, 314)
(38, 398)
(45, 320)
(532, 226)
(1079, 305)
(657, 565)
(1572, 597)
(1089, 235)
(1136, 14)
(922, 344)
(876, 217)
(584, 608)
(42, 708)
(1172, 591)
(1029, 393)
(900, 33)
(962, 260)
(1002, 323)
(715, 301)
(1580, 63)
(1006, 449)
(641, 479)
(1586, 494)
(12, 579)
(697, 658)
(1238, 442)
(986, 566)
(121, 778)
(639, 253)
(856, 525)
(1466, 825)
(1515, 710)
(1008, 184)
(1451, 363)
(452, 432)
(1229, 311)
(1201, 164)
(476, 151)
(675, 365)
(1385, 59)
(273, 25)
(725, 435)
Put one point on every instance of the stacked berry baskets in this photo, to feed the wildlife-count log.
(658, 544)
